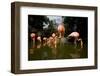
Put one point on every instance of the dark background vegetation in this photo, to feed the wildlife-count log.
(37, 22)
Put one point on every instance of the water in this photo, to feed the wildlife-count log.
(65, 51)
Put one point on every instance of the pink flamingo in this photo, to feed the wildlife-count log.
(61, 30)
(33, 37)
(76, 36)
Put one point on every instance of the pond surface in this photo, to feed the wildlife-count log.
(66, 51)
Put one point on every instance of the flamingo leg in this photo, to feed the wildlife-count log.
(75, 42)
(81, 43)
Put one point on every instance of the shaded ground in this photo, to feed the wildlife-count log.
(66, 51)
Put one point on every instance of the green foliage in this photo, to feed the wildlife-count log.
(37, 22)
(79, 24)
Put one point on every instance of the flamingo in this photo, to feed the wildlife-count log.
(76, 36)
(61, 30)
(33, 37)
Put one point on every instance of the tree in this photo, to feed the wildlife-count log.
(79, 24)
(48, 31)
(51, 26)
(36, 22)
